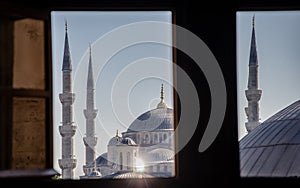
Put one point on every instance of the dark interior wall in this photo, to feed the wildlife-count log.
(214, 24)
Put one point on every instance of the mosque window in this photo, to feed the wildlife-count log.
(121, 161)
(155, 138)
(138, 138)
(165, 138)
(128, 161)
(146, 139)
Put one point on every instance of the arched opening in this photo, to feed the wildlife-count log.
(121, 161)
(128, 161)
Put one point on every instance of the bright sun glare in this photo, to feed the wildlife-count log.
(139, 165)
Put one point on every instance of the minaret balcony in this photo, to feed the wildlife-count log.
(67, 130)
(253, 94)
(90, 141)
(67, 98)
(90, 113)
(67, 163)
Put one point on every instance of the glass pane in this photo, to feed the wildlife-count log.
(268, 93)
(113, 95)
(28, 133)
(29, 54)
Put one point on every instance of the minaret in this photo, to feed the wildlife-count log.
(68, 129)
(253, 94)
(90, 114)
(161, 104)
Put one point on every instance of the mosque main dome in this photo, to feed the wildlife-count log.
(156, 119)
(273, 148)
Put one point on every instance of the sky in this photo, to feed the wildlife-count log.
(127, 82)
(278, 50)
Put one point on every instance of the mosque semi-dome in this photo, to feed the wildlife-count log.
(272, 148)
(101, 160)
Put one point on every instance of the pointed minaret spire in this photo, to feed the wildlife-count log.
(162, 104)
(67, 65)
(90, 80)
(90, 114)
(253, 94)
(68, 129)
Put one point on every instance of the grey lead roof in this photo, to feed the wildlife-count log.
(273, 148)
(156, 119)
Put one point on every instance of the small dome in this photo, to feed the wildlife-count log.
(117, 140)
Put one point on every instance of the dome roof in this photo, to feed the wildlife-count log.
(159, 154)
(128, 174)
(273, 148)
(128, 141)
(117, 140)
(156, 119)
(95, 173)
(101, 160)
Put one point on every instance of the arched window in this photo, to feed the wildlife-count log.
(128, 161)
(138, 139)
(121, 161)
(166, 168)
(165, 138)
(146, 139)
(155, 139)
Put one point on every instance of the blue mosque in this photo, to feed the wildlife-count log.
(145, 149)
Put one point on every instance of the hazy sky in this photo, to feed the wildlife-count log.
(126, 85)
(278, 50)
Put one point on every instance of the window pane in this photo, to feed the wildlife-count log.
(113, 94)
(268, 93)
(29, 133)
(29, 54)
